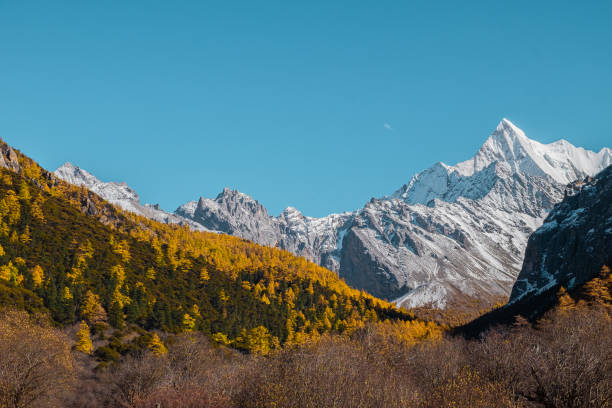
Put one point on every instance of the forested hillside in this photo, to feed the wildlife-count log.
(562, 360)
(66, 251)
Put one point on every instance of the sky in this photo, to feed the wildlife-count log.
(319, 105)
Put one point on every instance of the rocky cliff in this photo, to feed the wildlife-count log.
(574, 241)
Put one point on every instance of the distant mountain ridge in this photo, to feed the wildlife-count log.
(452, 231)
(119, 194)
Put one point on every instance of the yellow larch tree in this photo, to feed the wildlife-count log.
(189, 322)
(157, 346)
(25, 237)
(37, 212)
(9, 272)
(83, 340)
(204, 277)
(565, 301)
(92, 310)
(150, 275)
(597, 290)
(38, 275)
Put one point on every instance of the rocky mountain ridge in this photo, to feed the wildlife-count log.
(236, 213)
(119, 194)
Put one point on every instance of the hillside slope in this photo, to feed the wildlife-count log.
(67, 251)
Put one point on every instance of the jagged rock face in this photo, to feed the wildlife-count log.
(119, 194)
(235, 213)
(238, 214)
(451, 231)
(8, 157)
(317, 239)
(574, 241)
(363, 268)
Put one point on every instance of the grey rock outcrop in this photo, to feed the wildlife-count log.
(236, 213)
(8, 157)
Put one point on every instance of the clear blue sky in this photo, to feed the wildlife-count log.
(288, 101)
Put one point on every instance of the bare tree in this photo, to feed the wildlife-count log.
(570, 360)
(36, 364)
(333, 372)
(136, 378)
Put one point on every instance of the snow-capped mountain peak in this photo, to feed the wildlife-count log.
(75, 175)
(509, 146)
(111, 191)
(560, 160)
(506, 125)
(291, 214)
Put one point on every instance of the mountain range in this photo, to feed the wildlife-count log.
(451, 233)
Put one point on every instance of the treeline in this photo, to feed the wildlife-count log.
(65, 251)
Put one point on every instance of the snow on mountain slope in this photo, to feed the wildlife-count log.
(119, 194)
(560, 160)
(495, 200)
(469, 247)
(188, 208)
(508, 144)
